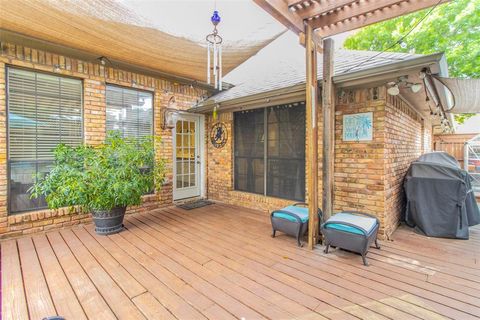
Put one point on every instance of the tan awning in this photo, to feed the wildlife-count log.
(128, 32)
(461, 95)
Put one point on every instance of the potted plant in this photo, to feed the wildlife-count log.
(102, 179)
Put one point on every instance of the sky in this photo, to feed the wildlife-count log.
(242, 20)
(471, 125)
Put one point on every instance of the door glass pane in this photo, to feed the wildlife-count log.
(179, 181)
(186, 154)
(179, 167)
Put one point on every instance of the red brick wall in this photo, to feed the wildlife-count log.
(359, 170)
(95, 77)
(407, 136)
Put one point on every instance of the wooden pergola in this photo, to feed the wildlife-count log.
(314, 21)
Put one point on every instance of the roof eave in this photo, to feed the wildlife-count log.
(373, 75)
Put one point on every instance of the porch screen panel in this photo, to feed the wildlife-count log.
(286, 152)
(43, 111)
(249, 151)
(129, 111)
(283, 158)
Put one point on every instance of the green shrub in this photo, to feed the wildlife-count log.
(114, 174)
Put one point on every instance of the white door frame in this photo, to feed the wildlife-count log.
(200, 141)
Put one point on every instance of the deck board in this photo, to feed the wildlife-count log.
(91, 300)
(39, 301)
(118, 300)
(219, 262)
(152, 281)
(63, 296)
(14, 303)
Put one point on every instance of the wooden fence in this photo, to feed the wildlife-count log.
(452, 143)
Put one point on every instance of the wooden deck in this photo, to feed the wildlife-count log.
(219, 262)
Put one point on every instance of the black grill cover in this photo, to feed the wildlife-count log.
(440, 199)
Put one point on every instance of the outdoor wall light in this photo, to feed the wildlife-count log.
(170, 114)
(169, 119)
(103, 60)
(393, 90)
(416, 87)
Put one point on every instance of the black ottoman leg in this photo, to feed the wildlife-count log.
(299, 231)
(377, 246)
(326, 248)
(300, 244)
(273, 233)
(364, 258)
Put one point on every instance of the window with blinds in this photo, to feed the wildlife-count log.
(43, 111)
(129, 111)
(270, 151)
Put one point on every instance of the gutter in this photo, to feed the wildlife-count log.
(385, 72)
(380, 75)
(294, 93)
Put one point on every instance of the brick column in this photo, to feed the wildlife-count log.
(164, 150)
(94, 110)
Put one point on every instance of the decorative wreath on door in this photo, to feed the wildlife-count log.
(218, 135)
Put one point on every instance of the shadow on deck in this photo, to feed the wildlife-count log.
(219, 262)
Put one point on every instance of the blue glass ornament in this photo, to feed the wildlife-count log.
(215, 18)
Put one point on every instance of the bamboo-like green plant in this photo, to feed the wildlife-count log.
(114, 174)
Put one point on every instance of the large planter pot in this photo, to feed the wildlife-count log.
(108, 221)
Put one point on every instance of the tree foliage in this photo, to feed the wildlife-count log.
(453, 28)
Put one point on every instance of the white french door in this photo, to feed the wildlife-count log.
(187, 157)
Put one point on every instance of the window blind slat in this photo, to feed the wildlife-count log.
(129, 111)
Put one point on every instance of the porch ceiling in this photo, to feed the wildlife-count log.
(147, 34)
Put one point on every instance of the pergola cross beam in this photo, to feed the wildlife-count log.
(279, 10)
(330, 17)
(318, 8)
(357, 16)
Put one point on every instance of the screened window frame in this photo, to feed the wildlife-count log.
(265, 153)
(234, 157)
(151, 92)
(37, 162)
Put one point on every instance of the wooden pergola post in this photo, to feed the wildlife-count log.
(328, 110)
(312, 134)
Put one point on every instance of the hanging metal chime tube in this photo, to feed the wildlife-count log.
(215, 65)
(208, 62)
(220, 67)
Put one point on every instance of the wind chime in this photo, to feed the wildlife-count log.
(214, 49)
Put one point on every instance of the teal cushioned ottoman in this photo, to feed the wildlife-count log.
(292, 220)
(354, 231)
